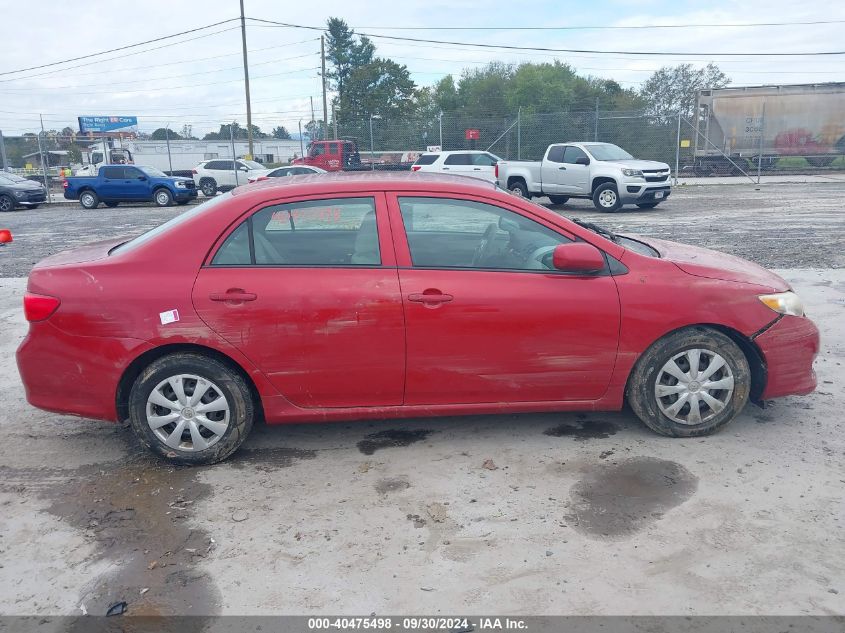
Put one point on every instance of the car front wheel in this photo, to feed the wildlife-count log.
(690, 383)
(163, 198)
(191, 409)
(606, 197)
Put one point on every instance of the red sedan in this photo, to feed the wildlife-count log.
(391, 295)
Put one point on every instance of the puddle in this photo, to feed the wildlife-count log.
(393, 437)
(621, 499)
(583, 430)
(385, 486)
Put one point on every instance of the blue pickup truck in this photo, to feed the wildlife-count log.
(114, 184)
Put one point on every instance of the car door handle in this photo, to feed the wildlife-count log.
(476, 169)
(430, 296)
(233, 295)
(562, 168)
(445, 169)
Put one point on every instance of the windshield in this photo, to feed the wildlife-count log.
(10, 179)
(163, 228)
(606, 151)
(153, 172)
(252, 164)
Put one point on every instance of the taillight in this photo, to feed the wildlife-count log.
(416, 167)
(261, 178)
(65, 183)
(39, 307)
(194, 171)
(496, 170)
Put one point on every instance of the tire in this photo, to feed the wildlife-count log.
(111, 205)
(88, 199)
(519, 189)
(606, 198)
(559, 199)
(7, 203)
(675, 351)
(230, 427)
(208, 186)
(647, 205)
(162, 197)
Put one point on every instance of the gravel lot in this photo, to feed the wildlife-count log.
(576, 514)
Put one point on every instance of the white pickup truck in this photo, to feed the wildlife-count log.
(602, 172)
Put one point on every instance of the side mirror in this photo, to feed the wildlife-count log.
(578, 257)
(5, 236)
(243, 168)
(582, 160)
(142, 177)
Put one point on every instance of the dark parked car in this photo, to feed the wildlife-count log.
(16, 191)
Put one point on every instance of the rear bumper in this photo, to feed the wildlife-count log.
(789, 348)
(76, 375)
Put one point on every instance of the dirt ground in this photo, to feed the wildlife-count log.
(525, 514)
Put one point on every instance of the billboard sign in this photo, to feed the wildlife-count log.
(108, 124)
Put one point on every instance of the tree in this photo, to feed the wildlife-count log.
(381, 88)
(187, 132)
(238, 132)
(675, 89)
(162, 134)
(280, 132)
(345, 54)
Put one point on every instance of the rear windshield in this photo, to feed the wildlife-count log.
(427, 159)
(172, 222)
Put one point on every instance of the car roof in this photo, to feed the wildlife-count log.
(337, 182)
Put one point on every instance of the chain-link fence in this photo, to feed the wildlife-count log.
(691, 148)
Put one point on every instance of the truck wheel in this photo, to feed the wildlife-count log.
(7, 203)
(191, 409)
(558, 199)
(689, 383)
(162, 197)
(111, 205)
(89, 200)
(606, 198)
(647, 205)
(518, 188)
(208, 186)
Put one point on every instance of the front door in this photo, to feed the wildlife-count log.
(488, 318)
(309, 292)
(575, 178)
(133, 186)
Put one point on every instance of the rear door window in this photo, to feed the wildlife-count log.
(458, 159)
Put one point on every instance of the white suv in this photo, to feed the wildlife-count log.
(216, 175)
(473, 163)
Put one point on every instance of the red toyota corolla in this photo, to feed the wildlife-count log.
(374, 296)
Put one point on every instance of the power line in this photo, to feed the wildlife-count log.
(603, 27)
(120, 48)
(557, 50)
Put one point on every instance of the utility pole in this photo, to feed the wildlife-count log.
(169, 158)
(323, 75)
(45, 165)
(334, 120)
(313, 120)
(246, 83)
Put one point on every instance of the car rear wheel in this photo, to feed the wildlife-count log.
(208, 186)
(518, 188)
(162, 197)
(558, 199)
(647, 205)
(89, 200)
(606, 197)
(191, 409)
(690, 383)
(7, 203)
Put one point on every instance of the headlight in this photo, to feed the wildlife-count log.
(784, 303)
(634, 173)
(180, 184)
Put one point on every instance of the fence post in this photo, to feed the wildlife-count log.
(762, 131)
(678, 148)
(43, 164)
(596, 129)
(3, 153)
(234, 157)
(167, 136)
(372, 146)
(440, 120)
(519, 133)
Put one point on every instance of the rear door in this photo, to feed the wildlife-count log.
(309, 292)
(457, 163)
(553, 170)
(488, 318)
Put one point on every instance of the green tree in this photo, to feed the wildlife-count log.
(187, 132)
(162, 134)
(238, 132)
(345, 53)
(280, 132)
(675, 89)
(381, 88)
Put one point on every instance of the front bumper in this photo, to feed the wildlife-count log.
(180, 195)
(789, 348)
(31, 197)
(638, 192)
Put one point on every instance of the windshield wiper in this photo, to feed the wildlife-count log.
(597, 229)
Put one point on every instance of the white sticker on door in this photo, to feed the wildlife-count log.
(170, 316)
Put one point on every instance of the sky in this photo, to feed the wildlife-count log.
(197, 79)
